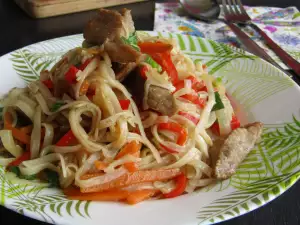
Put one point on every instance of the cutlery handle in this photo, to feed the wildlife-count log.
(283, 55)
(250, 45)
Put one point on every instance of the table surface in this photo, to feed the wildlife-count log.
(19, 30)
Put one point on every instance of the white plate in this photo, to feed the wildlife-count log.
(262, 93)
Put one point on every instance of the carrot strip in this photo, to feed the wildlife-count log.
(154, 47)
(91, 175)
(135, 178)
(130, 148)
(17, 134)
(26, 129)
(132, 166)
(100, 165)
(139, 196)
(84, 87)
(112, 195)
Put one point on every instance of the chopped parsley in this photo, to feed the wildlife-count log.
(132, 41)
(219, 104)
(153, 64)
(16, 170)
(52, 178)
(56, 106)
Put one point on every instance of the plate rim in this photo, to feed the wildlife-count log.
(34, 216)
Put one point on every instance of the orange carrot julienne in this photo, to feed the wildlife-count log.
(132, 198)
(84, 87)
(91, 175)
(111, 195)
(26, 129)
(17, 134)
(154, 47)
(132, 166)
(100, 165)
(130, 148)
(71, 190)
(139, 196)
(135, 178)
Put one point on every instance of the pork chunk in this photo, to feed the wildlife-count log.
(108, 25)
(161, 100)
(231, 152)
(123, 70)
(121, 53)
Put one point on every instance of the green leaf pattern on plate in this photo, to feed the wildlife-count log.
(269, 169)
(30, 196)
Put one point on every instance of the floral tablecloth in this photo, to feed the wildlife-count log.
(281, 24)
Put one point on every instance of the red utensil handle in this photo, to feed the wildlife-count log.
(283, 55)
(250, 45)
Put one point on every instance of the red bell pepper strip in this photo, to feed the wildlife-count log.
(136, 130)
(19, 160)
(143, 70)
(165, 61)
(84, 65)
(48, 83)
(195, 99)
(169, 150)
(162, 55)
(154, 47)
(67, 139)
(124, 103)
(189, 117)
(196, 85)
(70, 76)
(181, 182)
(235, 123)
(175, 127)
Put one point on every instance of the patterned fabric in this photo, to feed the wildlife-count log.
(282, 25)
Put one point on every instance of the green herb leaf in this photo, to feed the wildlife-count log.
(219, 104)
(28, 177)
(52, 177)
(56, 106)
(153, 64)
(132, 41)
(16, 170)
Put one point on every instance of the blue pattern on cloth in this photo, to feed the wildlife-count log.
(280, 24)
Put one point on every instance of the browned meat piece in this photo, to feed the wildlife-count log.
(230, 153)
(108, 25)
(107, 28)
(127, 20)
(161, 100)
(123, 70)
(121, 53)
